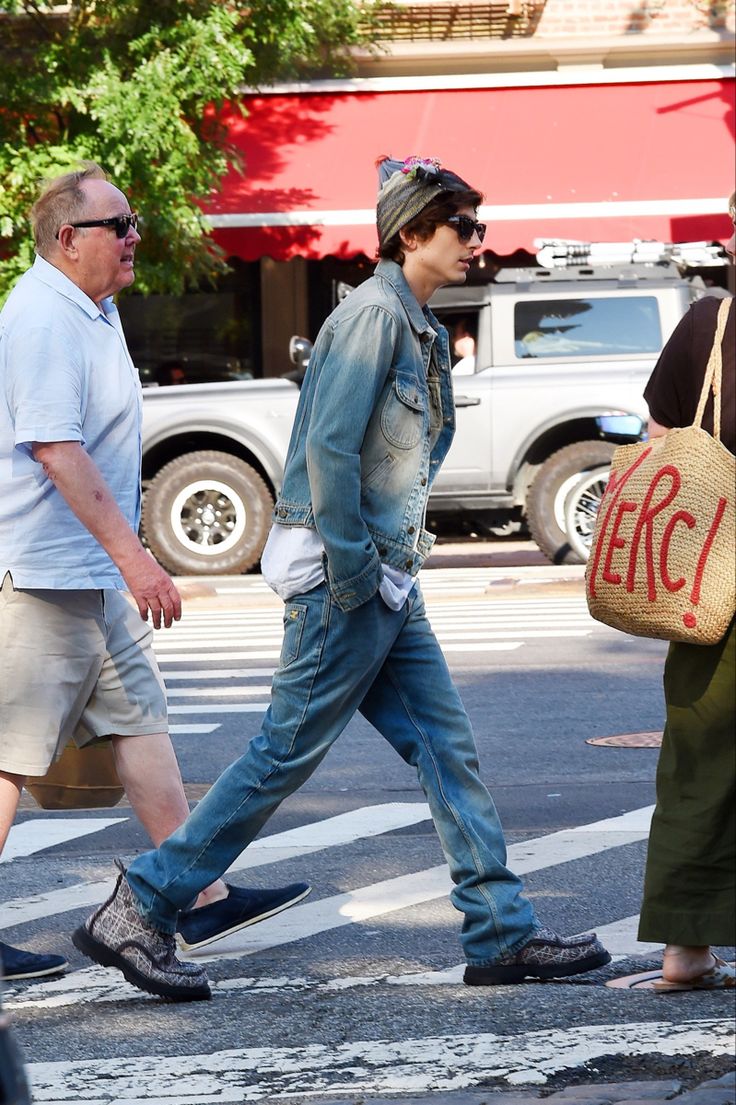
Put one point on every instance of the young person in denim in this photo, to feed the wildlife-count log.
(374, 422)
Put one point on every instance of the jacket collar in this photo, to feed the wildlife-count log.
(421, 320)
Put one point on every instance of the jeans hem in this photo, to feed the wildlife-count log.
(150, 916)
(522, 943)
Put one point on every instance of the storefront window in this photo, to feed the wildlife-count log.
(206, 336)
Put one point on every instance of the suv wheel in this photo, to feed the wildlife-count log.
(581, 510)
(207, 513)
(547, 499)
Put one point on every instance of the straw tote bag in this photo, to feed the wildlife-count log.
(662, 557)
(81, 779)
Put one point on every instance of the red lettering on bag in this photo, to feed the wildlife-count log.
(678, 516)
(616, 542)
(720, 510)
(612, 493)
(645, 520)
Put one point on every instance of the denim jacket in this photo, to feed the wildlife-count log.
(361, 460)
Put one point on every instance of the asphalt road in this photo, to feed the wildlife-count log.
(357, 990)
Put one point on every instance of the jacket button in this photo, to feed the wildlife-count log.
(408, 565)
(382, 552)
(410, 529)
(424, 481)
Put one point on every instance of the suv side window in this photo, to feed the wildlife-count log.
(462, 330)
(613, 326)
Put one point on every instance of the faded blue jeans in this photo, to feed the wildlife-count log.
(388, 665)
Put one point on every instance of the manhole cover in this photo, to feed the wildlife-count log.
(629, 740)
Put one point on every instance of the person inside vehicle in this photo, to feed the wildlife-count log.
(463, 346)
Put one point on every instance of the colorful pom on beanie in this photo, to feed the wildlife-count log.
(406, 187)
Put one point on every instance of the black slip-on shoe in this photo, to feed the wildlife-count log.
(243, 906)
(547, 955)
(15, 963)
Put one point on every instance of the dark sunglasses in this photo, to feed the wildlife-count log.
(467, 227)
(121, 224)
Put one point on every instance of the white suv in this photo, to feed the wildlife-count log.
(561, 362)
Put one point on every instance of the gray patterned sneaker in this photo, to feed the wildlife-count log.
(118, 936)
(547, 955)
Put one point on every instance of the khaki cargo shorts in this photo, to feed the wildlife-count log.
(74, 665)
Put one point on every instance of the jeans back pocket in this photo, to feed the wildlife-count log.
(294, 617)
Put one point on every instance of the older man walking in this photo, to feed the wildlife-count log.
(76, 659)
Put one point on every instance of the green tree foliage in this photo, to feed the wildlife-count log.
(135, 85)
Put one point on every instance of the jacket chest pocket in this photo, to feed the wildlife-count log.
(402, 417)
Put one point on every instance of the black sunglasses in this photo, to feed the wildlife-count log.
(467, 227)
(120, 223)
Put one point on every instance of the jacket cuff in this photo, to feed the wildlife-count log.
(349, 594)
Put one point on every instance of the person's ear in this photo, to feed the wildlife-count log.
(409, 240)
(66, 240)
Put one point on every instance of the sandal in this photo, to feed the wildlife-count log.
(721, 976)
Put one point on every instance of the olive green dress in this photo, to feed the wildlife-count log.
(690, 882)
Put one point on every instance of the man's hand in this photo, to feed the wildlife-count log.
(152, 589)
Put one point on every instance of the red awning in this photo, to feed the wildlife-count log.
(595, 162)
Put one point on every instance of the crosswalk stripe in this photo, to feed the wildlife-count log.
(490, 646)
(201, 657)
(217, 692)
(221, 708)
(220, 674)
(344, 828)
(192, 730)
(512, 631)
(621, 939)
(216, 642)
(432, 1063)
(46, 832)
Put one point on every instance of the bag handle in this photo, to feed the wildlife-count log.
(713, 373)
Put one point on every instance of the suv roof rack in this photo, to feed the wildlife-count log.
(621, 275)
(560, 253)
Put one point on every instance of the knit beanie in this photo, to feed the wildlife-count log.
(406, 187)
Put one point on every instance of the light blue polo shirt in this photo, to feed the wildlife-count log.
(65, 375)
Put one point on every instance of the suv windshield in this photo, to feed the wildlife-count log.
(583, 327)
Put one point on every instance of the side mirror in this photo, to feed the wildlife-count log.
(299, 350)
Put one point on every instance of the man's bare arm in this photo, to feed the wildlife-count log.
(80, 482)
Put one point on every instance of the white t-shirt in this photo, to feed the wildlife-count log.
(292, 564)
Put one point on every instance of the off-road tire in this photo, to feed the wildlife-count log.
(198, 488)
(545, 503)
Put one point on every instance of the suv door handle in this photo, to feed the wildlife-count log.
(467, 400)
